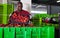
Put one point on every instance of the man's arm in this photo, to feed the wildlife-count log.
(12, 17)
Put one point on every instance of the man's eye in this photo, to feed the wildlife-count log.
(19, 6)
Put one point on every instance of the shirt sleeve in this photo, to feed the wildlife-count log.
(12, 17)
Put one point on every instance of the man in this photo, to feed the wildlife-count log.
(19, 17)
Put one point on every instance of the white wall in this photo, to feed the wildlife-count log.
(1, 1)
(4, 1)
(26, 5)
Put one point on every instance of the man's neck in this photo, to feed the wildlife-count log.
(19, 10)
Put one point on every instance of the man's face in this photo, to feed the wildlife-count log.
(19, 7)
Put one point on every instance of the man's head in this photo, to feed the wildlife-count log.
(19, 5)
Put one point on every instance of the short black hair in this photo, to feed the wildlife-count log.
(20, 3)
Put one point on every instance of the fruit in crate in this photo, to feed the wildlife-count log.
(2, 25)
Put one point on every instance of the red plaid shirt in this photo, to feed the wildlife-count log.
(19, 17)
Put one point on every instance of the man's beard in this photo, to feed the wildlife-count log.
(19, 9)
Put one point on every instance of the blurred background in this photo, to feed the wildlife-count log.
(39, 9)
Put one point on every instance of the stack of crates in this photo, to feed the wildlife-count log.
(27, 32)
(5, 11)
(35, 32)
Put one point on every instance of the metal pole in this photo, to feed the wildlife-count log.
(59, 19)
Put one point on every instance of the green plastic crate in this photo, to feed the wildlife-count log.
(12, 29)
(20, 33)
(28, 32)
(38, 30)
(1, 13)
(47, 32)
(17, 29)
(44, 32)
(1, 32)
(9, 32)
(51, 32)
(34, 33)
(22, 28)
(7, 10)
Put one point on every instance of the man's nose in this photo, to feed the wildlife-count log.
(19, 6)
